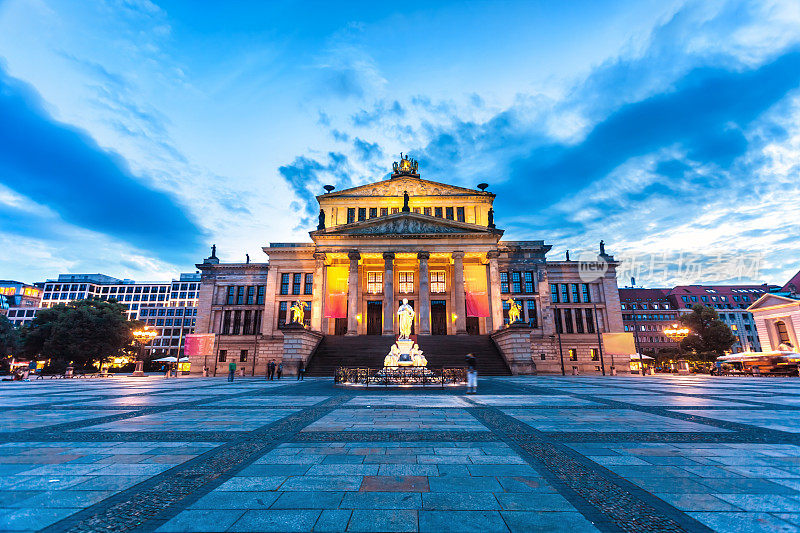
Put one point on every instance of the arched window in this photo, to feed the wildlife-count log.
(783, 333)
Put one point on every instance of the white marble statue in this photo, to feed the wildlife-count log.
(405, 314)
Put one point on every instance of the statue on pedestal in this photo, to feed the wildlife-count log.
(298, 312)
(405, 314)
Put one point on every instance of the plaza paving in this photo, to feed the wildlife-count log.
(526, 454)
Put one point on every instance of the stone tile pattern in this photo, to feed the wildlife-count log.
(106, 455)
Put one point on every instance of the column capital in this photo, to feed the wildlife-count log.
(353, 255)
(320, 256)
(457, 255)
(423, 256)
(388, 256)
(492, 254)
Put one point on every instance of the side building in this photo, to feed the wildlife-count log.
(731, 302)
(647, 313)
(168, 306)
(407, 238)
(777, 317)
(19, 301)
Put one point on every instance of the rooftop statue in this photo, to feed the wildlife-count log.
(406, 166)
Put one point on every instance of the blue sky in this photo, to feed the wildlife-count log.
(133, 134)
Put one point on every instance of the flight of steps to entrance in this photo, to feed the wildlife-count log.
(441, 351)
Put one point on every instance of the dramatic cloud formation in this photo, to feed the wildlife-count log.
(669, 129)
(65, 169)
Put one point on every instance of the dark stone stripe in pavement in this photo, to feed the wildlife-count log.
(753, 433)
(610, 502)
(151, 503)
(60, 429)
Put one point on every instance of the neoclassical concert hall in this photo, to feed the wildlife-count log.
(437, 247)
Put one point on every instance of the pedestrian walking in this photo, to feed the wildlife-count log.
(231, 370)
(280, 370)
(472, 374)
(271, 370)
(301, 369)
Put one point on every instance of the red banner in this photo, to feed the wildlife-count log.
(199, 344)
(475, 289)
(336, 297)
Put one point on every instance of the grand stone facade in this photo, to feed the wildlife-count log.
(435, 245)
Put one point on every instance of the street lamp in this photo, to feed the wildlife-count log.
(143, 336)
(676, 333)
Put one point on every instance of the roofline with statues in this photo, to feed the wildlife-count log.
(406, 169)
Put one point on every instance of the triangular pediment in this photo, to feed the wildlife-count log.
(397, 186)
(772, 300)
(406, 224)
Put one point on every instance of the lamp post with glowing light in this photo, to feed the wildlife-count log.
(143, 336)
(677, 334)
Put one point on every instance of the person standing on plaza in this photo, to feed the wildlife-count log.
(472, 374)
(280, 370)
(301, 369)
(231, 370)
(271, 370)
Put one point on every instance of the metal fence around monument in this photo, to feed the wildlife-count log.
(400, 376)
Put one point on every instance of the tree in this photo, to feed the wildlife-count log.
(709, 337)
(82, 332)
(9, 341)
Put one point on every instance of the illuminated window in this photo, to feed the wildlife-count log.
(284, 284)
(575, 297)
(242, 356)
(296, 283)
(585, 292)
(251, 292)
(532, 320)
(573, 354)
(595, 354)
(406, 282)
(308, 286)
(554, 293)
(415, 209)
(395, 210)
(516, 282)
(528, 282)
(504, 282)
(438, 281)
(564, 293)
(231, 295)
(374, 282)
(261, 291)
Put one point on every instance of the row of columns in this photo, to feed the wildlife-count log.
(354, 291)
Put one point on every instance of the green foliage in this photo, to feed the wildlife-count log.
(709, 337)
(9, 337)
(82, 332)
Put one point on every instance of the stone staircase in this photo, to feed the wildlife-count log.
(441, 351)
